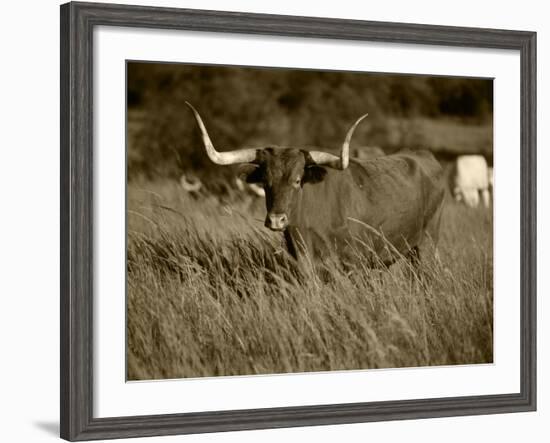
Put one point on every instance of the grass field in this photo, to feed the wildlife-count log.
(211, 292)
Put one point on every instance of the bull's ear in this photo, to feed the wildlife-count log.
(247, 170)
(254, 176)
(314, 174)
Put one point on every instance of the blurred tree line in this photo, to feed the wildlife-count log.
(244, 107)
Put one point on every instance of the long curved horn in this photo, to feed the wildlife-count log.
(222, 158)
(333, 161)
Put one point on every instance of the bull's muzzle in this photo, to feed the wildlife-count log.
(276, 222)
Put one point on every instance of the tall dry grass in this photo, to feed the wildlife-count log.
(211, 292)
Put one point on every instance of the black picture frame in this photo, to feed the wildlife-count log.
(77, 23)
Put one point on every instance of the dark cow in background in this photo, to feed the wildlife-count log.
(325, 204)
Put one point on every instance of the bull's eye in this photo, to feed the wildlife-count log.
(297, 182)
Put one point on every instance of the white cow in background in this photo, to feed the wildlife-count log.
(472, 179)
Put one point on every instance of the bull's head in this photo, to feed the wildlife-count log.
(282, 172)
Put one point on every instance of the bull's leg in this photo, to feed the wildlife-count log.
(291, 243)
(413, 269)
(428, 246)
(414, 256)
(300, 248)
(312, 253)
(297, 245)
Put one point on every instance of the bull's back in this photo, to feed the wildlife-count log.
(403, 192)
(388, 183)
(394, 195)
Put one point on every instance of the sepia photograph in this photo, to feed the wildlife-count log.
(283, 220)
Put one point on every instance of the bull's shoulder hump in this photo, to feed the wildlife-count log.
(400, 163)
(420, 155)
(425, 160)
(379, 171)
